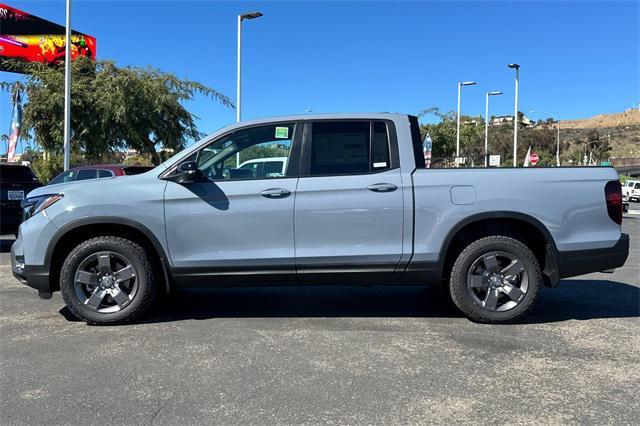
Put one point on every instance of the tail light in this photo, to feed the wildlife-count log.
(613, 195)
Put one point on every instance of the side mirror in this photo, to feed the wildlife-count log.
(187, 172)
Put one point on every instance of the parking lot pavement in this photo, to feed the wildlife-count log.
(327, 355)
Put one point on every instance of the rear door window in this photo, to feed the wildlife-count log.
(104, 173)
(273, 168)
(87, 174)
(349, 147)
(339, 148)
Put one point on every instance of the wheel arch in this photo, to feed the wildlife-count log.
(80, 230)
(518, 225)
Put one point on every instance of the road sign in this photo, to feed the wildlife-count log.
(494, 160)
(534, 159)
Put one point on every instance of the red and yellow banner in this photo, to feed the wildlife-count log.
(33, 39)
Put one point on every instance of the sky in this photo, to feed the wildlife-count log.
(578, 58)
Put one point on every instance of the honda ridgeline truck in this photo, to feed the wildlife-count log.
(355, 205)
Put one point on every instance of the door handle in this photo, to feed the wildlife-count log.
(382, 187)
(275, 193)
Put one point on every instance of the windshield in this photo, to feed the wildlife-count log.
(17, 174)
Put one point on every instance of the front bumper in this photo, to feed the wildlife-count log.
(579, 262)
(34, 276)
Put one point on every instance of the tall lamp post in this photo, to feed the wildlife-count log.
(242, 17)
(486, 125)
(67, 90)
(515, 116)
(464, 83)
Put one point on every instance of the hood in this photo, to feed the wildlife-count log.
(97, 185)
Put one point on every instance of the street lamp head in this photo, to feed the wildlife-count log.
(514, 66)
(494, 93)
(250, 15)
(468, 83)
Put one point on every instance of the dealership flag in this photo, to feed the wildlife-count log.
(14, 133)
(527, 159)
(427, 146)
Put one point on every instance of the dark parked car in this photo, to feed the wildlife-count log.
(97, 172)
(15, 183)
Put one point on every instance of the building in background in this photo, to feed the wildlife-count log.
(524, 120)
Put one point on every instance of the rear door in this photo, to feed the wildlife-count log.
(349, 204)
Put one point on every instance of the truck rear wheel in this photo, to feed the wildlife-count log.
(496, 279)
(108, 280)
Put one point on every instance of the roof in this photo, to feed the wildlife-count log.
(328, 116)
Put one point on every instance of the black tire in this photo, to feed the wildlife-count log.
(469, 305)
(146, 290)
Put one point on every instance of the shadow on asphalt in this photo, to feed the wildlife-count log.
(574, 299)
(5, 245)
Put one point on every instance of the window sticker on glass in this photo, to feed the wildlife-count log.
(381, 164)
(282, 133)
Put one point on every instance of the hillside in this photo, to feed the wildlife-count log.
(621, 130)
(630, 117)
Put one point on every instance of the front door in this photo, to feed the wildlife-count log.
(236, 224)
(349, 206)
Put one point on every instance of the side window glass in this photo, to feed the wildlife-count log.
(86, 174)
(64, 177)
(242, 154)
(274, 168)
(104, 174)
(340, 148)
(380, 147)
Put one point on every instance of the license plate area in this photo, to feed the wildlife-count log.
(15, 195)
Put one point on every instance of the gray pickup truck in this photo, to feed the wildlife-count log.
(354, 205)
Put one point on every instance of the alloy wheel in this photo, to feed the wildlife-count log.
(106, 282)
(497, 281)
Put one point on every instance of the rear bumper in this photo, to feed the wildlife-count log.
(579, 262)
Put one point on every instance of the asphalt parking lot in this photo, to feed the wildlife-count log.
(351, 355)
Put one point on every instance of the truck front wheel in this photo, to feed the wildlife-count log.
(496, 279)
(108, 280)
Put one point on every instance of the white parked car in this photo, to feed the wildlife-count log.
(631, 190)
(266, 167)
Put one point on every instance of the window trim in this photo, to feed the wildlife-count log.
(394, 156)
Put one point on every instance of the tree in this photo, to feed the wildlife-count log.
(113, 108)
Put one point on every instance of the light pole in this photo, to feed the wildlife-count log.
(67, 90)
(486, 125)
(242, 17)
(464, 83)
(515, 116)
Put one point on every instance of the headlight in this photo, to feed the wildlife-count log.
(33, 206)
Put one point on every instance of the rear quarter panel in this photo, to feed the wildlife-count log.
(569, 202)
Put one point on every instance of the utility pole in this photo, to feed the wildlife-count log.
(242, 17)
(67, 90)
(464, 83)
(486, 125)
(515, 116)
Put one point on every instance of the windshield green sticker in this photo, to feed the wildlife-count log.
(282, 133)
